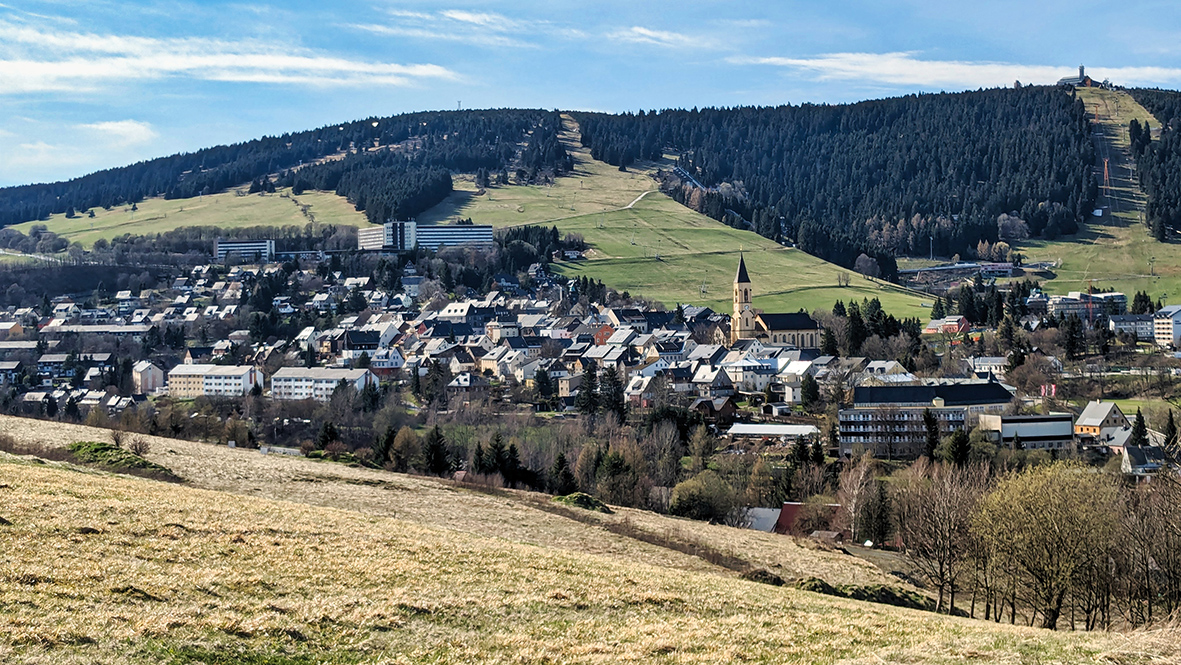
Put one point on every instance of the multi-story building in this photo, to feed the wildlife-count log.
(405, 236)
(146, 377)
(1166, 326)
(888, 420)
(1088, 306)
(245, 250)
(317, 383)
(1140, 326)
(197, 380)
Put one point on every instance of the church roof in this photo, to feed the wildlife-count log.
(742, 276)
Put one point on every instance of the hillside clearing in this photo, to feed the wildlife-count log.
(1114, 250)
(96, 568)
(233, 209)
(627, 232)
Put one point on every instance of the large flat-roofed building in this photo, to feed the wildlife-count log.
(318, 383)
(405, 236)
(262, 251)
(1166, 326)
(197, 380)
(888, 420)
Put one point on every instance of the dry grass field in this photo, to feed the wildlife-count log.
(98, 568)
(231, 209)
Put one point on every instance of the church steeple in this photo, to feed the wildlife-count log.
(741, 277)
(742, 322)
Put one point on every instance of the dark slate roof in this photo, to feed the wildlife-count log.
(362, 337)
(741, 276)
(956, 394)
(792, 321)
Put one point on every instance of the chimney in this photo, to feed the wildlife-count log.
(1081, 75)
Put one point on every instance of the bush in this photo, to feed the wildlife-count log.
(703, 497)
(139, 446)
(584, 501)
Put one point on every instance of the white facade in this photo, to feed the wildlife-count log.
(196, 380)
(1166, 326)
(316, 383)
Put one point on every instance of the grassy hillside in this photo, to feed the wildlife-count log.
(1113, 250)
(97, 568)
(227, 210)
(600, 202)
(518, 516)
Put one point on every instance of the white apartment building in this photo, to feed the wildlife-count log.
(196, 380)
(1166, 326)
(317, 383)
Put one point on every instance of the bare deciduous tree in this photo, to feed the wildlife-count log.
(934, 505)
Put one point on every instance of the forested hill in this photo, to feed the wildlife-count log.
(1159, 162)
(883, 177)
(394, 165)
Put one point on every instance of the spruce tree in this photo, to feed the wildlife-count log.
(803, 454)
(562, 480)
(828, 345)
(611, 397)
(931, 426)
(435, 458)
(817, 453)
(1139, 431)
(809, 391)
(588, 399)
(496, 456)
(1170, 431)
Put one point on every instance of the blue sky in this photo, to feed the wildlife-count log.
(89, 85)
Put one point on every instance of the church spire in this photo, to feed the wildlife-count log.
(741, 277)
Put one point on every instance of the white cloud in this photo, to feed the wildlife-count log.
(467, 27)
(33, 60)
(124, 132)
(641, 35)
(904, 69)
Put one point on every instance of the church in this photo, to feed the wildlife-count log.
(796, 329)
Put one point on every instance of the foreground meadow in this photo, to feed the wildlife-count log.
(97, 568)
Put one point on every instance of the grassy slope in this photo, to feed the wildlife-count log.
(95, 568)
(1113, 250)
(692, 247)
(227, 210)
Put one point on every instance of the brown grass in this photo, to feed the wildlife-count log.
(505, 514)
(98, 568)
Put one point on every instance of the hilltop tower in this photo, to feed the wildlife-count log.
(742, 323)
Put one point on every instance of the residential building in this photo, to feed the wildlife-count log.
(1166, 326)
(188, 381)
(1140, 326)
(888, 420)
(146, 377)
(1099, 420)
(318, 383)
(259, 251)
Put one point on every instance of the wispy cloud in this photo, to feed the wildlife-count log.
(123, 132)
(905, 69)
(43, 60)
(485, 29)
(664, 38)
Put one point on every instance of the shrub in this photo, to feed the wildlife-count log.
(139, 446)
(584, 501)
(703, 497)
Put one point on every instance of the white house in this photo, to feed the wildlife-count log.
(318, 383)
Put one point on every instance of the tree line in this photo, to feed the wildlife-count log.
(925, 170)
(1158, 163)
(455, 140)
